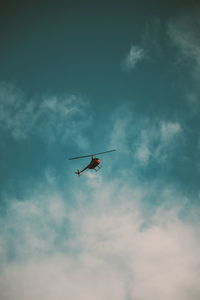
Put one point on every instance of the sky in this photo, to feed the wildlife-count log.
(82, 77)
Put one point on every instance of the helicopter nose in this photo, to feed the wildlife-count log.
(98, 161)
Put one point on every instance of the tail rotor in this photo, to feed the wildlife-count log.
(78, 172)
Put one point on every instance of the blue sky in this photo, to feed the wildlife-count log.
(84, 77)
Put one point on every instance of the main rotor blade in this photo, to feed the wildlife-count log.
(90, 155)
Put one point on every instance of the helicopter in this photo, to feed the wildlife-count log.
(94, 163)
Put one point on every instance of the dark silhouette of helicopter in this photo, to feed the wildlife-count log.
(94, 163)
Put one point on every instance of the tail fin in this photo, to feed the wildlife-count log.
(78, 172)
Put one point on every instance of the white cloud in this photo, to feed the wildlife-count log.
(144, 138)
(157, 141)
(143, 153)
(98, 248)
(53, 117)
(120, 133)
(136, 54)
(169, 130)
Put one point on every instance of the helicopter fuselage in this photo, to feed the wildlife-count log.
(94, 163)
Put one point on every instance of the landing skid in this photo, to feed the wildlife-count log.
(99, 167)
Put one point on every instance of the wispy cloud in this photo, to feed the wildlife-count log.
(99, 248)
(156, 142)
(51, 117)
(135, 55)
(16, 115)
(184, 35)
(120, 134)
(144, 138)
(182, 32)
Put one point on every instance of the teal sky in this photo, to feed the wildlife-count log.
(79, 77)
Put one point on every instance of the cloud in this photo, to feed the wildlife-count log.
(51, 117)
(184, 35)
(156, 141)
(104, 246)
(143, 153)
(169, 131)
(145, 138)
(16, 115)
(120, 134)
(136, 54)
